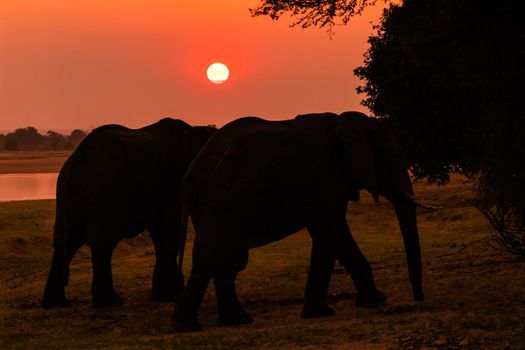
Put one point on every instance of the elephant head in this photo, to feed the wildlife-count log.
(375, 160)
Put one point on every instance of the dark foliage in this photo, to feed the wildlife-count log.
(502, 179)
(75, 138)
(56, 140)
(312, 12)
(23, 139)
(11, 145)
(448, 76)
(28, 139)
(429, 72)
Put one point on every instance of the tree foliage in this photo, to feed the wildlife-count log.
(435, 70)
(448, 76)
(502, 178)
(24, 138)
(29, 139)
(312, 12)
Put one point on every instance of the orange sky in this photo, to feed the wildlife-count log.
(83, 63)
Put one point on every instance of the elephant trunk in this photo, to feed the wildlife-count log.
(406, 214)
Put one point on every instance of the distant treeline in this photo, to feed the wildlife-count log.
(29, 139)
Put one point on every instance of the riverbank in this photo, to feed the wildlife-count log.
(475, 295)
(24, 162)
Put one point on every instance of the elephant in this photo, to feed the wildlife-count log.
(116, 184)
(258, 181)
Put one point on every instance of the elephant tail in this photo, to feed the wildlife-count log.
(60, 227)
(65, 244)
(60, 245)
(183, 231)
(67, 237)
(59, 270)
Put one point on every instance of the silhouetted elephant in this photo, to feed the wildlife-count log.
(258, 181)
(118, 183)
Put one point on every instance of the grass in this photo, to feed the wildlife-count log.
(32, 161)
(475, 296)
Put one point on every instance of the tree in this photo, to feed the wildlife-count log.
(55, 140)
(427, 72)
(29, 139)
(11, 145)
(75, 138)
(448, 76)
(24, 139)
(312, 12)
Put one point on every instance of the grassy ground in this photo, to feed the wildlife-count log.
(32, 161)
(475, 296)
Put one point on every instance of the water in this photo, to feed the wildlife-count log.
(18, 187)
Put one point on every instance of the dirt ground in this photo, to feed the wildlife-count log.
(475, 295)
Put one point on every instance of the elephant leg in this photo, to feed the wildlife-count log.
(103, 294)
(353, 260)
(54, 294)
(230, 310)
(166, 284)
(185, 317)
(321, 266)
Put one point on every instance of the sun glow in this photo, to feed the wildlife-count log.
(218, 73)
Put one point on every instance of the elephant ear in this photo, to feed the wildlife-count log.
(353, 128)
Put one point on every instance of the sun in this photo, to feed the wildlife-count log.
(218, 73)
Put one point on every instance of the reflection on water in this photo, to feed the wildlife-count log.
(17, 187)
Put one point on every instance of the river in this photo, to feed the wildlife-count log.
(18, 187)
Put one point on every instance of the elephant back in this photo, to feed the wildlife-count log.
(206, 162)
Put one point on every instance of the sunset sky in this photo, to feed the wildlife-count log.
(83, 63)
